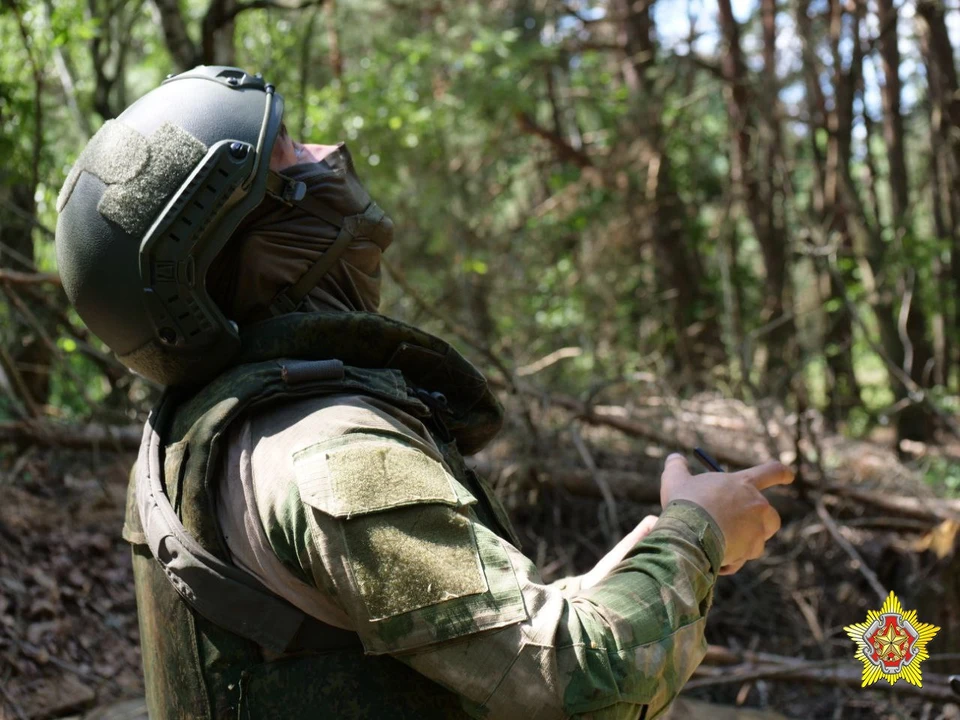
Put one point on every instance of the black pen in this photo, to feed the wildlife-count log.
(708, 462)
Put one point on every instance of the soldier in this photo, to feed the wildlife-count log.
(307, 540)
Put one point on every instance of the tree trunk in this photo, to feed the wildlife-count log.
(916, 353)
(698, 345)
(181, 47)
(945, 133)
(835, 120)
(217, 40)
(27, 350)
(754, 182)
(30, 355)
(892, 119)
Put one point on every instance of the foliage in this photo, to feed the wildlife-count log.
(550, 188)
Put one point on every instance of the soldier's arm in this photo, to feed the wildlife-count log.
(392, 537)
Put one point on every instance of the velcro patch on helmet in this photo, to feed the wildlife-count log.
(116, 154)
(140, 173)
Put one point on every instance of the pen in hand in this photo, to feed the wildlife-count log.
(708, 462)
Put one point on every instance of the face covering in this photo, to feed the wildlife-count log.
(278, 243)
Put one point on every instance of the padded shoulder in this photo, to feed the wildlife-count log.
(361, 473)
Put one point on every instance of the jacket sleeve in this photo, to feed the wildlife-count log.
(393, 539)
(631, 641)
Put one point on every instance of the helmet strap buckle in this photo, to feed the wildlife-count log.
(285, 189)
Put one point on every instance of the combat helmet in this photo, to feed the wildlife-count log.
(150, 203)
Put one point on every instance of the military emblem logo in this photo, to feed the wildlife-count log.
(892, 643)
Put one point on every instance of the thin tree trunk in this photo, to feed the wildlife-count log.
(916, 352)
(680, 274)
(945, 134)
(755, 182)
(217, 40)
(942, 325)
(892, 119)
(181, 47)
(835, 120)
(333, 40)
(17, 218)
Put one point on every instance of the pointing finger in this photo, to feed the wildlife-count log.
(767, 475)
(676, 464)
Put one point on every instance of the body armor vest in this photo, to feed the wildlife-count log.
(194, 666)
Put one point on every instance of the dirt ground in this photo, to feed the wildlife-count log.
(68, 627)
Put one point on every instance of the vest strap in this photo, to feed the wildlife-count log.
(351, 228)
(203, 580)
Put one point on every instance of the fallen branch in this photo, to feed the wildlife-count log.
(548, 360)
(741, 667)
(118, 437)
(851, 551)
(619, 418)
(15, 277)
(12, 701)
(637, 487)
(912, 507)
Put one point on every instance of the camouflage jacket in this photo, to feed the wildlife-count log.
(360, 511)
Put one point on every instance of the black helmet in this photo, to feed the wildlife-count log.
(148, 205)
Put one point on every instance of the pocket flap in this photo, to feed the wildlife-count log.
(360, 474)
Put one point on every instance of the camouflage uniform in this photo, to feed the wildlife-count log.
(359, 511)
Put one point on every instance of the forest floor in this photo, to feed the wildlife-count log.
(68, 628)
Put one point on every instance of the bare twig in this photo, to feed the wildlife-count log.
(917, 393)
(634, 486)
(548, 360)
(827, 672)
(565, 151)
(21, 278)
(56, 435)
(400, 279)
(12, 701)
(31, 319)
(612, 522)
(858, 563)
(268, 5)
(23, 394)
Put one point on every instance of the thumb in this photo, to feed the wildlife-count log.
(675, 466)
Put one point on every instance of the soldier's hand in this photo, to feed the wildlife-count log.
(734, 500)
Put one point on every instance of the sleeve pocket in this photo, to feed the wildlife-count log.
(425, 571)
(359, 475)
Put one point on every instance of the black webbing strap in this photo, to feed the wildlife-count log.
(288, 300)
(293, 192)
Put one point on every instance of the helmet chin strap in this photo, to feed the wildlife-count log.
(294, 193)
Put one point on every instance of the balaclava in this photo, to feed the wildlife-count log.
(277, 243)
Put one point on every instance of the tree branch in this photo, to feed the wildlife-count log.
(58, 435)
(181, 47)
(564, 150)
(20, 278)
(268, 5)
(743, 666)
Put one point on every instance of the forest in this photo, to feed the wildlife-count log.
(653, 224)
